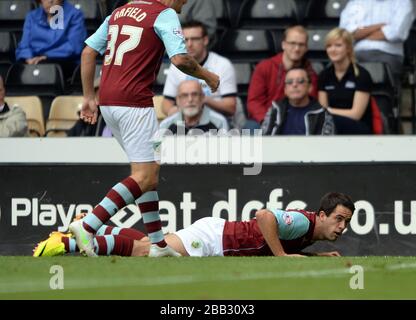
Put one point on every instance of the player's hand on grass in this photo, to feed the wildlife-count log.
(295, 255)
(329, 254)
(89, 110)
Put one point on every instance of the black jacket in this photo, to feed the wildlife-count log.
(318, 121)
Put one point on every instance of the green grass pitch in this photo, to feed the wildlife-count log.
(238, 278)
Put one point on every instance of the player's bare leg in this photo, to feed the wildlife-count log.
(142, 247)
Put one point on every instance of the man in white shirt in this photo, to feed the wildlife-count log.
(224, 100)
(380, 27)
(193, 117)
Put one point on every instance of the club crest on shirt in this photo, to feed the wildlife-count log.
(178, 32)
(288, 219)
(196, 244)
(350, 85)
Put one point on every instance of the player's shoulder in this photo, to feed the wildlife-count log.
(215, 58)
(173, 119)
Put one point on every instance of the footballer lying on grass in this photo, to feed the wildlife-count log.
(271, 233)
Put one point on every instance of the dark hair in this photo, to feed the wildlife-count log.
(332, 199)
(301, 68)
(195, 24)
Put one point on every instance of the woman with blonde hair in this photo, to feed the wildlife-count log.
(344, 87)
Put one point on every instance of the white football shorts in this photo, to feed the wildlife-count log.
(135, 129)
(203, 238)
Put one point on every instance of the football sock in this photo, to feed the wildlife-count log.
(70, 244)
(122, 194)
(113, 245)
(149, 207)
(127, 232)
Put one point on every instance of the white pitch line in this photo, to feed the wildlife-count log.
(95, 283)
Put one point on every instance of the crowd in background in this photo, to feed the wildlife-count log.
(286, 96)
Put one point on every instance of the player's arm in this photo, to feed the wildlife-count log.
(322, 254)
(269, 228)
(168, 28)
(190, 66)
(95, 45)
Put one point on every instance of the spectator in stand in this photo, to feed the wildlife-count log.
(203, 11)
(12, 120)
(267, 83)
(52, 35)
(193, 117)
(380, 27)
(345, 86)
(224, 100)
(298, 113)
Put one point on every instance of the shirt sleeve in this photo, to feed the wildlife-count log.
(322, 80)
(228, 83)
(351, 16)
(291, 224)
(364, 82)
(98, 41)
(171, 84)
(399, 28)
(77, 32)
(169, 30)
(24, 51)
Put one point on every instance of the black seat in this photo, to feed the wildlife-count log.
(75, 87)
(7, 46)
(246, 45)
(268, 14)
(4, 68)
(316, 43)
(43, 80)
(221, 13)
(318, 66)
(243, 71)
(324, 12)
(161, 78)
(92, 13)
(384, 91)
(13, 13)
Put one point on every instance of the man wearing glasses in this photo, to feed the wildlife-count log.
(298, 113)
(193, 118)
(224, 100)
(267, 82)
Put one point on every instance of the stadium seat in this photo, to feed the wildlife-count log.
(75, 87)
(157, 101)
(324, 13)
(247, 45)
(7, 46)
(13, 13)
(32, 106)
(221, 13)
(4, 68)
(92, 13)
(63, 115)
(316, 43)
(384, 92)
(268, 14)
(243, 73)
(318, 66)
(43, 80)
(161, 78)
